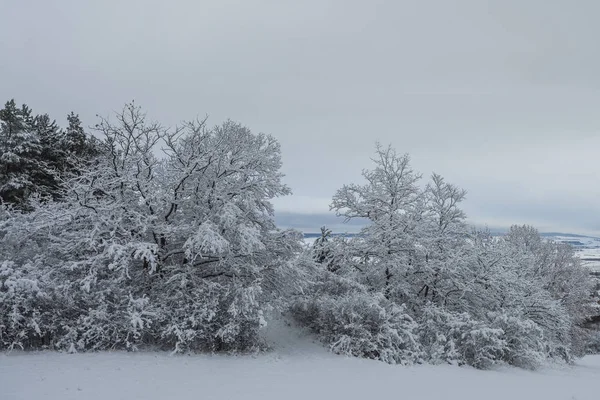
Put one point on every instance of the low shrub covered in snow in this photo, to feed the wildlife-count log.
(354, 322)
(449, 337)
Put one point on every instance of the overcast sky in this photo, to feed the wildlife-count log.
(500, 97)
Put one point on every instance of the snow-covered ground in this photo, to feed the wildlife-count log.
(587, 248)
(590, 257)
(296, 368)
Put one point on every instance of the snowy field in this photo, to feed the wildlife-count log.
(587, 248)
(590, 257)
(296, 368)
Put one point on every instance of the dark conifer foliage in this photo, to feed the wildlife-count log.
(20, 154)
(36, 154)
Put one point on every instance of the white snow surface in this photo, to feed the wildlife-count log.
(296, 368)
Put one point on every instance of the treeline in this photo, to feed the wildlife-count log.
(164, 238)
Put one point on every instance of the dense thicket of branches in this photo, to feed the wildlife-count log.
(165, 238)
(177, 251)
(435, 290)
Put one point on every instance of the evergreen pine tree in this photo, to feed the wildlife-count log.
(35, 154)
(20, 155)
(76, 142)
(52, 156)
(323, 250)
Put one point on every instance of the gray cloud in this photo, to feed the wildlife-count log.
(501, 97)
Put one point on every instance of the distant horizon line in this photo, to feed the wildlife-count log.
(493, 231)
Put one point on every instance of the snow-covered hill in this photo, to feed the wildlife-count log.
(296, 368)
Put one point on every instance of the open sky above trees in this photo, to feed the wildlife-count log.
(500, 97)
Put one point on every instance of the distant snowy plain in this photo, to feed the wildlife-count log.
(295, 368)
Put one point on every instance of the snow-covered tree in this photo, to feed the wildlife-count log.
(36, 155)
(560, 274)
(20, 154)
(441, 241)
(178, 251)
(77, 146)
(474, 298)
(391, 201)
(408, 249)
